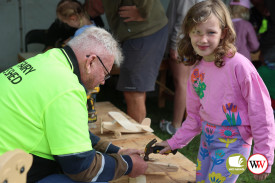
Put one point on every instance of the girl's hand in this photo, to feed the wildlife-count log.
(165, 145)
(261, 176)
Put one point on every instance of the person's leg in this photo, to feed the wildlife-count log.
(136, 105)
(180, 77)
(203, 159)
(180, 74)
(139, 70)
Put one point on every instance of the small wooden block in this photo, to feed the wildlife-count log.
(117, 135)
(123, 121)
(139, 179)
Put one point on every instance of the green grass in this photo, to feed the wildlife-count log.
(108, 93)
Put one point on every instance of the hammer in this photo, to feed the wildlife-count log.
(155, 149)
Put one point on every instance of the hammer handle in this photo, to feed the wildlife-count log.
(157, 149)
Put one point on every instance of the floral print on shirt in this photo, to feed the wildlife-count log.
(198, 84)
(230, 110)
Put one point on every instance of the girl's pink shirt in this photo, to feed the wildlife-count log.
(234, 88)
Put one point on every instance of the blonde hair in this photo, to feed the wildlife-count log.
(239, 12)
(68, 8)
(199, 13)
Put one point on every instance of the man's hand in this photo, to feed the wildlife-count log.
(130, 151)
(165, 145)
(139, 166)
(261, 176)
(130, 13)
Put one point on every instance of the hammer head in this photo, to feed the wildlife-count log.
(149, 149)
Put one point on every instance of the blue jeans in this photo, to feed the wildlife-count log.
(59, 178)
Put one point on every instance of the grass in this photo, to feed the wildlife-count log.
(108, 93)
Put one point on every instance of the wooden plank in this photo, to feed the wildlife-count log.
(187, 169)
(154, 167)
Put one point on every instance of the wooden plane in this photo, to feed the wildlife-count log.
(122, 125)
(14, 166)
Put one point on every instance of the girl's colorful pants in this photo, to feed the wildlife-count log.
(217, 144)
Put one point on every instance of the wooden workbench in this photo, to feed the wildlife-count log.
(187, 169)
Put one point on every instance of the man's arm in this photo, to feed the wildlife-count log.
(94, 166)
(102, 146)
(108, 165)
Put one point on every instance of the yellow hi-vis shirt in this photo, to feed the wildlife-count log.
(43, 107)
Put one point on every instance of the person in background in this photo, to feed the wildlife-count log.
(43, 112)
(267, 39)
(141, 28)
(247, 40)
(226, 98)
(267, 45)
(59, 32)
(72, 13)
(94, 8)
(176, 12)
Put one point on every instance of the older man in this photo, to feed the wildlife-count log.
(43, 111)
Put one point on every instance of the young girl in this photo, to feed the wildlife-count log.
(72, 12)
(247, 40)
(226, 98)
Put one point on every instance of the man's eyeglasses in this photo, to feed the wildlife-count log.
(108, 75)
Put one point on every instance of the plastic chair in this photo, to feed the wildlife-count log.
(14, 166)
(35, 36)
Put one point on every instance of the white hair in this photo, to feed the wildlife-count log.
(99, 41)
